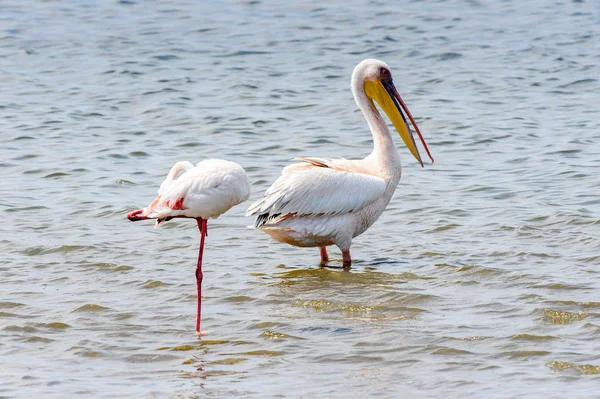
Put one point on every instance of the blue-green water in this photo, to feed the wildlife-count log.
(481, 279)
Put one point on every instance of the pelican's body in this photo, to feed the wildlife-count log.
(204, 191)
(321, 202)
(332, 201)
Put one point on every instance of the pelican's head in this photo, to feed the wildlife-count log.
(376, 80)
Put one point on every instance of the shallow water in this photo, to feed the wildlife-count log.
(480, 279)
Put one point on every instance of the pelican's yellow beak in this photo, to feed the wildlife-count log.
(386, 95)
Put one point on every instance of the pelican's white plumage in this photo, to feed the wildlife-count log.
(306, 189)
(206, 190)
(320, 202)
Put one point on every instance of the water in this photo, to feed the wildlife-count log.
(481, 278)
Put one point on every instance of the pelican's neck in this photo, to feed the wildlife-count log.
(384, 151)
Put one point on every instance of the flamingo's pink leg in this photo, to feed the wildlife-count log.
(203, 227)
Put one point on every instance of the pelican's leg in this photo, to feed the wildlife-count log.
(202, 227)
(324, 257)
(346, 258)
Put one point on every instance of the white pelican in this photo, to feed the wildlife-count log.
(321, 202)
(204, 191)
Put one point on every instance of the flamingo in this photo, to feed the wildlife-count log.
(204, 191)
(320, 202)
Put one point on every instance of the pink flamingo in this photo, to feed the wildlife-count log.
(206, 190)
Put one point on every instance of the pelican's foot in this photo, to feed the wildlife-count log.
(347, 260)
(324, 257)
(201, 333)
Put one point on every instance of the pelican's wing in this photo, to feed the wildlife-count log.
(317, 187)
(341, 164)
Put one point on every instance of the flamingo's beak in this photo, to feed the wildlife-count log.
(134, 216)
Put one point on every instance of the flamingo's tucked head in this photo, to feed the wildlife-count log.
(376, 79)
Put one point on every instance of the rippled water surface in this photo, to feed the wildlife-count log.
(481, 279)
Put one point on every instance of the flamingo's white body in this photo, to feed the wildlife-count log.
(204, 191)
(321, 202)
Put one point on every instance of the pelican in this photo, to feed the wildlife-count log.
(199, 192)
(320, 202)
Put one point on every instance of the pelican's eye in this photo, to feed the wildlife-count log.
(386, 75)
